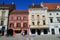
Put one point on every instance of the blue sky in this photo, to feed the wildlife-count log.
(24, 4)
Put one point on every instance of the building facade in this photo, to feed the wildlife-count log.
(4, 14)
(44, 18)
(18, 21)
(54, 21)
(53, 17)
(38, 20)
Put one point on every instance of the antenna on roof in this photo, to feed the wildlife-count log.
(3, 2)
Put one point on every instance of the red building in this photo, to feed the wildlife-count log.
(18, 21)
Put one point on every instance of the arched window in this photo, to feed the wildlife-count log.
(24, 18)
(25, 24)
(18, 24)
(18, 18)
(11, 24)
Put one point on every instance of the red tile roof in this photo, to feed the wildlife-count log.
(35, 6)
(19, 11)
(6, 5)
(51, 6)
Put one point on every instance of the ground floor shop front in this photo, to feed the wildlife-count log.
(21, 32)
(54, 29)
(39, 31)
(18, 31)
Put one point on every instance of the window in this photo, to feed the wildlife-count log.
(37, 15)
(2, 22)
(50, 14)
(58, 19)
(3, 14)
(18, 25)
(24, 18)
(56, 26)
(11, 25)
(57, 14)
(33, 23)
(38, 23)
(51, 20)
(24, 24)
(43, 16)
(18, 18)
(44, 22)
(15, 18)
(32, 15)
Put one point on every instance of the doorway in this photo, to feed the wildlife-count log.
(33, 31)
(45, 31)
(59, 30)
(53, 31)
(10, 32)
(38, 31)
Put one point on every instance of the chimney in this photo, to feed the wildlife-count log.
(3, 3)
(12, 3)
(32, 4)
(42, 4)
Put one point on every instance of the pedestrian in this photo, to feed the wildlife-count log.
(23, 33)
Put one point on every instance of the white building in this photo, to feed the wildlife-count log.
(5, 9)
(53, 17)
(54, 21)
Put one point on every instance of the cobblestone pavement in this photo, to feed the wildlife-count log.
(40, 37)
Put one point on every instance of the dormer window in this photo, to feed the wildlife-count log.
(58, 7)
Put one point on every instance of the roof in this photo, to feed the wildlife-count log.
(19, 11)
(7, 6)
(51, 6)
(56, 10)
(35, 6)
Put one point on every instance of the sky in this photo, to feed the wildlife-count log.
(24, 4)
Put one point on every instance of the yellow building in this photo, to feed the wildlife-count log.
(38, 20)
